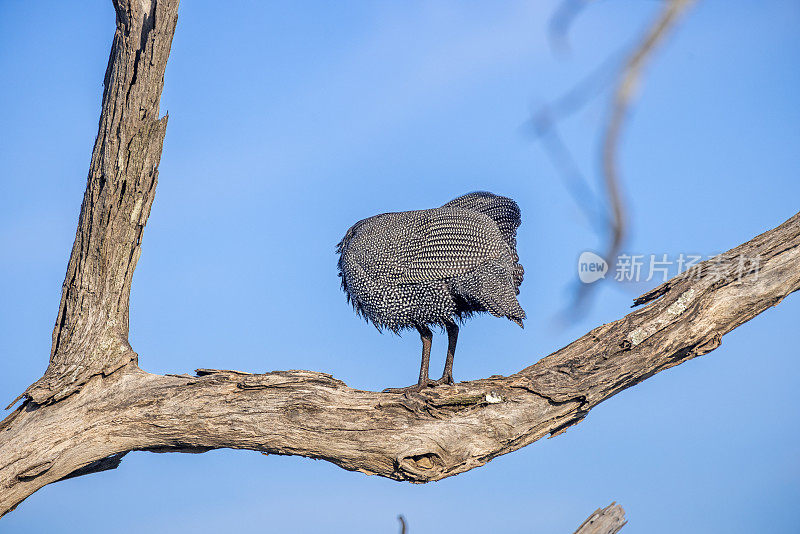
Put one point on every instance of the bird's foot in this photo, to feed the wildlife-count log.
(407, 389)
(422, 385)
(414, 388)
(446, 380)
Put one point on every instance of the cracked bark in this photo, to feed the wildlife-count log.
(91, 332)
(94, 404)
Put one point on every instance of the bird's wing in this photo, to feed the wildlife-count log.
(502, 210)
(448, 242)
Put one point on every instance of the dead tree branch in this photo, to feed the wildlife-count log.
(416, 438)
(612, 215)
(95, 404)
(625, 91)
(608, 520)
(91, 332)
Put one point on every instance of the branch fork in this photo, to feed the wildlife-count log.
(94, 404)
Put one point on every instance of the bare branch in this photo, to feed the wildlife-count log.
(416, 437)
(544, 124)
(561, 21)
(91, 332)
(608, 520)
(626, 88)
(94, 404)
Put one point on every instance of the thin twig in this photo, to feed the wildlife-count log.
(626, 89)
(608, 520)
(544, 124)
(623, 98)
(560, 22)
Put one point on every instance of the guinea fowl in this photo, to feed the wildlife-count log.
(435, 267)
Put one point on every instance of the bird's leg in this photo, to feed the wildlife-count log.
(452, 338)
(426, 336)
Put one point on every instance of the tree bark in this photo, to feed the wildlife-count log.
(91, 332)
(94, 404)
(608, 520)
(415, 437)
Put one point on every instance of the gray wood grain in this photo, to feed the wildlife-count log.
(94, 403)
(91, 332)
(608, 520)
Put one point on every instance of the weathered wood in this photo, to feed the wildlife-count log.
(608, 520)
(413, 437)
(91, 332)
(94, 404)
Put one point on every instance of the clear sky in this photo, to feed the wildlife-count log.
(290, 121)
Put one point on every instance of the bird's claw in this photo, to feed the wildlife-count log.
(421, 386)
(444, 381)
(414, 388)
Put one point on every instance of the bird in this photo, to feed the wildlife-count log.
(434, 268)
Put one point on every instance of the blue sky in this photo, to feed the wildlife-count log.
(289, 122)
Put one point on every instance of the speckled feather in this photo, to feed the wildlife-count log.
(434, 266)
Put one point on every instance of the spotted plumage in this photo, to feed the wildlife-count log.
(435, 267)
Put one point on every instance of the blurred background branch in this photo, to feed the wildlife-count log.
(625, 92)
(607, 215)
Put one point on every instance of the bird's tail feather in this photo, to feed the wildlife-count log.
(492, 287)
